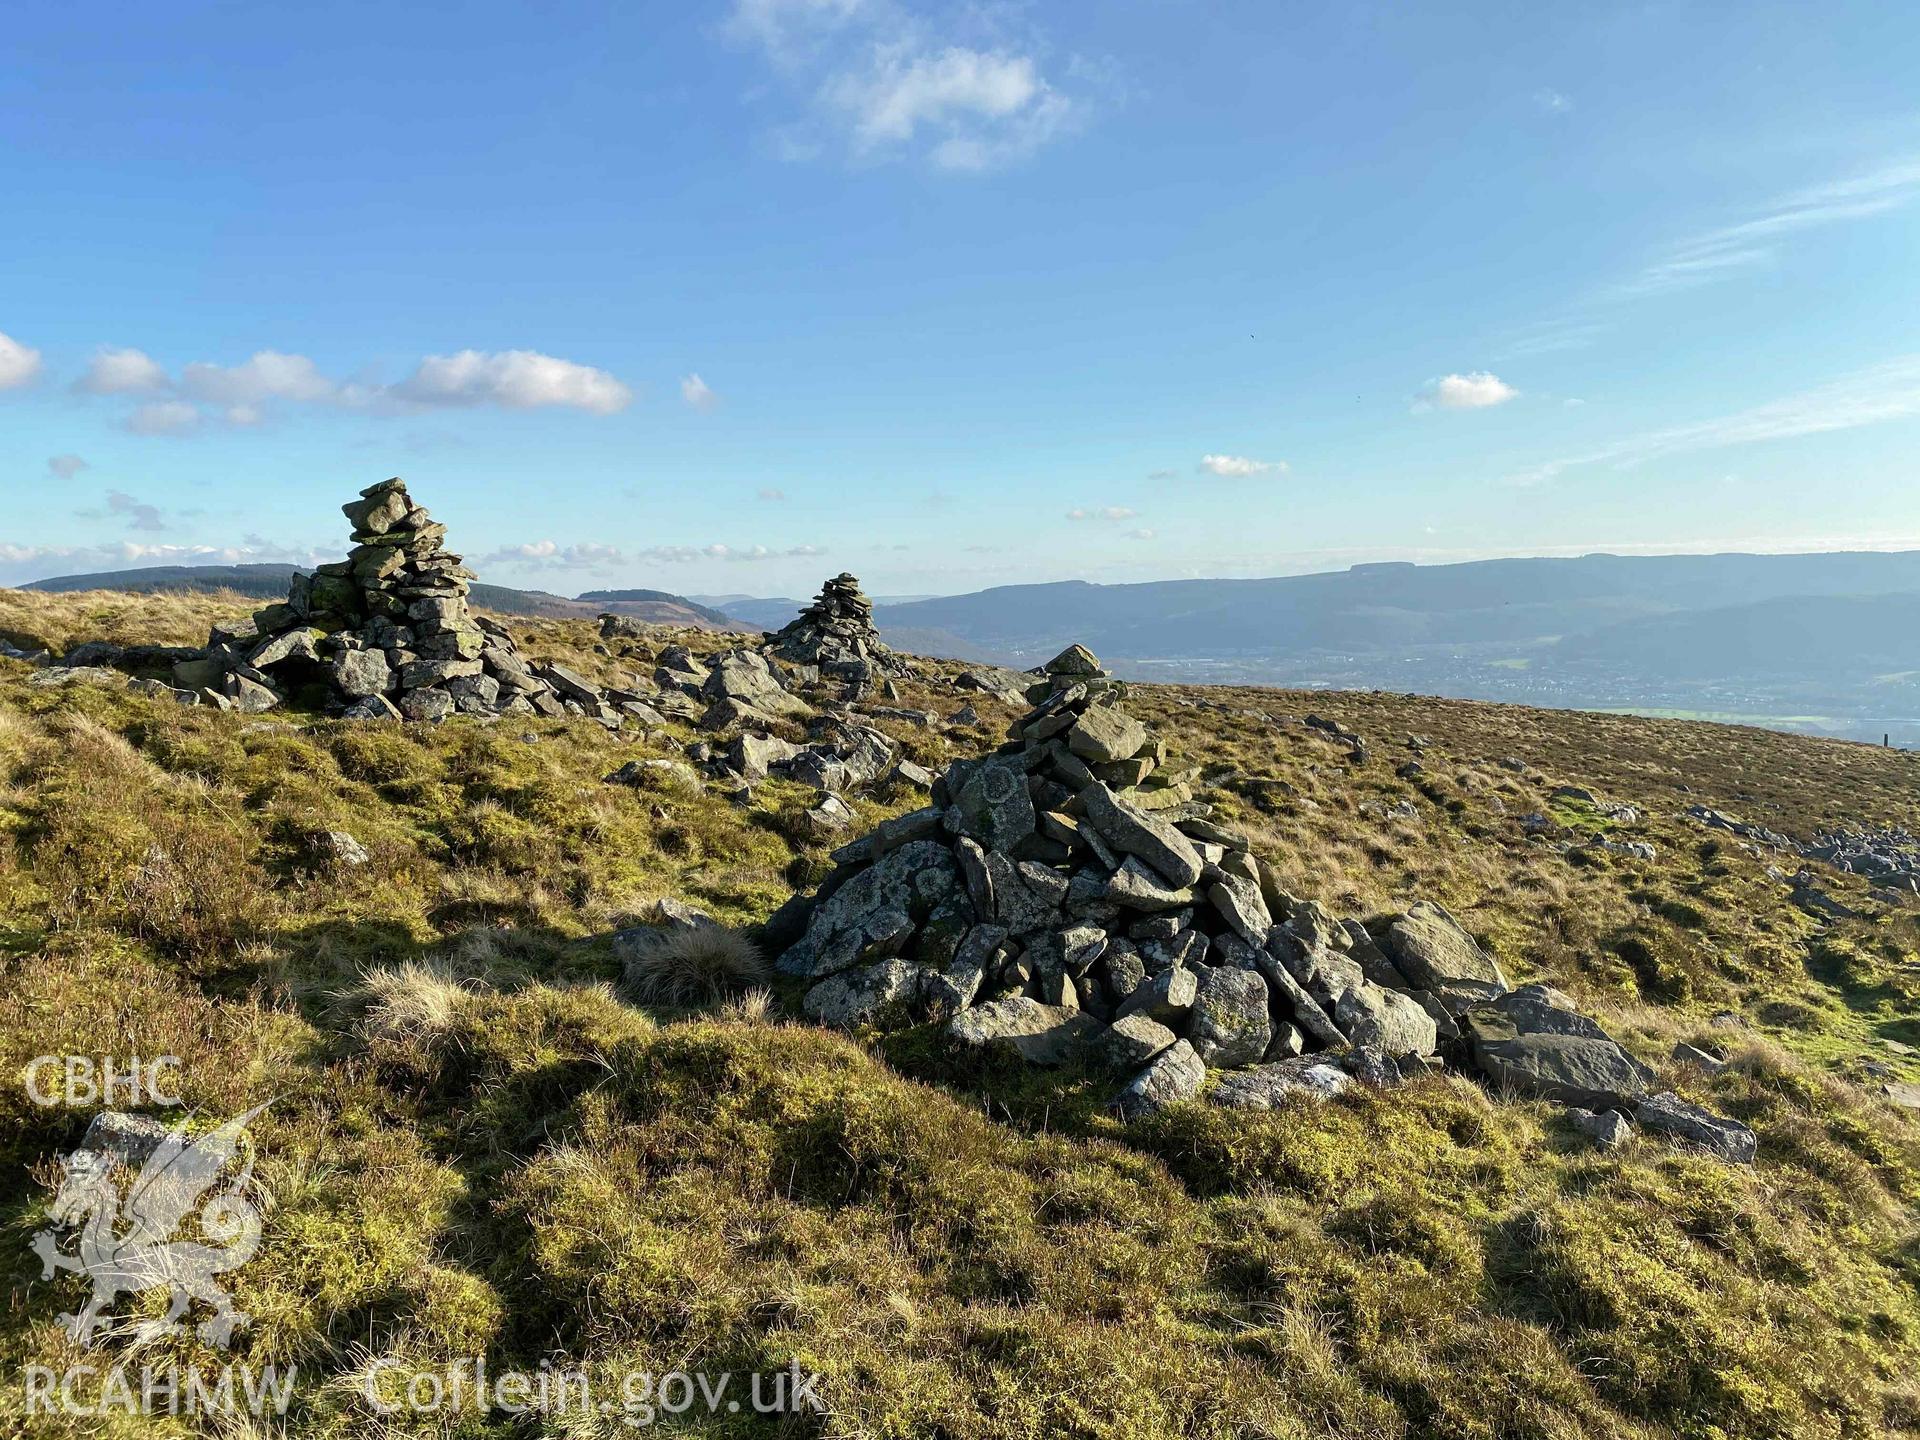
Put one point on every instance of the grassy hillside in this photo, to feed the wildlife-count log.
(479, 1147)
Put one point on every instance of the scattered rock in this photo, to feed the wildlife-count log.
(1667, 1114)
(1609, 1127)
(1700, 1059)
(338, 847)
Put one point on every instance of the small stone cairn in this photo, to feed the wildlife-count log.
(1069, 897)
(836, 632)
(384, 634)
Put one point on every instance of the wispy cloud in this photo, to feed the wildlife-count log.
(139, 514)
(1551, 102)
(551, 555)
(771, 494)
(164, 417)
(697, 393)
(1101, 512)
(1480, 390)
(1724, 252)
(19, 364)
(66, 466)
(1873, 396)
(1754, 241)
(967, 92)
(1240, 467)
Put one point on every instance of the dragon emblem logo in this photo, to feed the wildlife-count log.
(129, 1244)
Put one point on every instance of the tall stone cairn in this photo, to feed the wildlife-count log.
(1068, 895)
(385, 634)
(836, 632)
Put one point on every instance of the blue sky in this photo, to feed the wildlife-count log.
(725, 298)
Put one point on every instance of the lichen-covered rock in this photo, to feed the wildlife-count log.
(1532, 1041)
(1264, 1086)
(1133, 831)
(1430, 948)
(871, 908)
(1386, 1021)
(1176, 1074)
(866, 993)
(1167, 997)
(1133, 1040)
(1229, 1024)
(1039, 1034)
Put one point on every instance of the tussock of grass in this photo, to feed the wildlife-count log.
(411, 1003)
(694, 965)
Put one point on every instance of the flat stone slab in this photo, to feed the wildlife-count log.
(1039, 1034)
(1265, 1086)
(1667, 1114)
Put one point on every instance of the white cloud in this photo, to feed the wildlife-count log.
(1480, 390)
(123, 372)
(1101, 512)
(19, 364)
(514, 380)
(965, 93)
(697, 393)
(67, 466)
(680, 554)
(247, 393)
(1239, 467)
(164, 417)
(904, 91)
(1142, 534)
(267, 375)
(1876, 395)
(1552, 102)
(769, 492)
(551, 555)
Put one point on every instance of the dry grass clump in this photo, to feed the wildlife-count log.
(688, 965)
(415, 1003)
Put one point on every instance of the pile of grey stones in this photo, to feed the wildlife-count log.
(385, 634)
(836, 633)
(1069, 897)
(1887, 857)
(745, 699)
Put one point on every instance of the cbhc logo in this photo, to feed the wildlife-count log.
(82, 1080)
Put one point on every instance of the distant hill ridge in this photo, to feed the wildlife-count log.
(1389, 607)
(269, 582)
